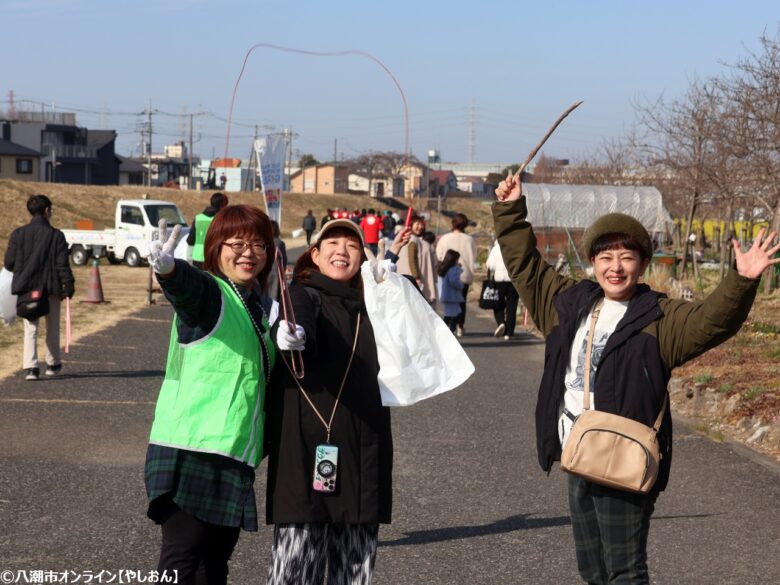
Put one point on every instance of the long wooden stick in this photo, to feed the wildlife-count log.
(560, 119)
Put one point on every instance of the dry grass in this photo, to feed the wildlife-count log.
(125, 288)
(74, 202)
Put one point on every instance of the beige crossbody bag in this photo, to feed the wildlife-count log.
(608, 449)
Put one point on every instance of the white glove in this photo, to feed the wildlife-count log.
(161, 250)
(287, 340)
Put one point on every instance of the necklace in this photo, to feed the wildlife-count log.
(266, 358)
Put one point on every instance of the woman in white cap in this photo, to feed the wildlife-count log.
(330, 443)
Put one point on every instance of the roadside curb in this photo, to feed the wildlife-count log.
(739, 448)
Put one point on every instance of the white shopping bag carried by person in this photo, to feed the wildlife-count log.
(419, 357)
(7, 300)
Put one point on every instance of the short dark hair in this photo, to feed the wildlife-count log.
(243, 221)
(459, 222)
(218, 200)
(616, 241)
(37, 204)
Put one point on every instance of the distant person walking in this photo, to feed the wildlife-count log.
(309, 224)
(37, 255)
(451, 288)
(506, 316)
(388, 225)
(329, 214)
(462, 243)
(200, 226)
(371, 225)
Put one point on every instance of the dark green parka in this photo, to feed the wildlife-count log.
(656, 335)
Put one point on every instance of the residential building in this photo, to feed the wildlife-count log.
(132, 171)
(70, 154)
(18, 162)
(442, 183)
(325, 178)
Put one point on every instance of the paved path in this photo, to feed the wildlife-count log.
(470, 503)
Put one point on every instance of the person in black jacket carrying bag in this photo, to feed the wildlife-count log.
(37, 255)
(329, 437)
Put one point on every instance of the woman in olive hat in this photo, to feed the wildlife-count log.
(640, 337)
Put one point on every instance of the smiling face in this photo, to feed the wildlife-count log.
(242, 268)
(338, 257)
(418, 227)
(618, 272)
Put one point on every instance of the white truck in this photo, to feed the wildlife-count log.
(135, 226)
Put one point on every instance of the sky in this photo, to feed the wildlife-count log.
(482, 80)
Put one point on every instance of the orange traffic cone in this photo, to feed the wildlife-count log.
(95, 289)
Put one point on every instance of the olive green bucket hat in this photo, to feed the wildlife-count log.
(617, 223)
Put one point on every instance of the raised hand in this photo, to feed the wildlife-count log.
(510, 188)
(759, 257)
(161, 250)
(401, 239)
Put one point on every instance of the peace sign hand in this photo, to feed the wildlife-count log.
(161, 250)
(759, 257)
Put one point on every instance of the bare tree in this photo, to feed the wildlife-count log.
(370, 165)
(678, 136)
(754, 88)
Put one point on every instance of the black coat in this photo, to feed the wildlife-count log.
(361, 426)
(37, 254)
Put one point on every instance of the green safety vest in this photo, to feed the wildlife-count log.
(212, 398)
(202, 223)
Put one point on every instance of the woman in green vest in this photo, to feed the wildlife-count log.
(207, 435)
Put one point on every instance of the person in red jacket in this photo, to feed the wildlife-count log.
(371, 224)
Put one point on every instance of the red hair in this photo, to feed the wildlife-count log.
(244, 221)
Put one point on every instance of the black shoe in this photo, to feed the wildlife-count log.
(53, 370)
(32, 374)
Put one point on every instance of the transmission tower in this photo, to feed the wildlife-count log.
(472, 131)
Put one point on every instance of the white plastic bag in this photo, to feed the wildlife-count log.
(7, 300)
(419, 357)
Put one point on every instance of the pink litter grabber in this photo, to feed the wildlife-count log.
(289, 315)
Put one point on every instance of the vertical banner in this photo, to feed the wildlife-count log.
(270, 151)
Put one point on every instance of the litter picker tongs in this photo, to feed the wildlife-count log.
(296, 357)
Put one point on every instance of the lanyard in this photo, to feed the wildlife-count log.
(328, 424)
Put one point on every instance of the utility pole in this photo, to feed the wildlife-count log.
(288, 136)
(472, 132)
(253, 168)
(189, 158)
(149, 147)
(335, 151)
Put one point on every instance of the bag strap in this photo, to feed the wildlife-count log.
(588, 351)
(586, 368)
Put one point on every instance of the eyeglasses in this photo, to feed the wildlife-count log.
(240, 247)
